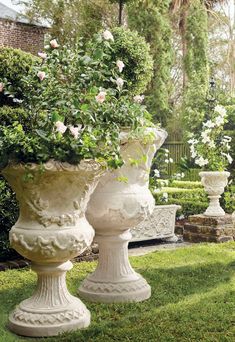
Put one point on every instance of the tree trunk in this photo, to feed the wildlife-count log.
(121, 6)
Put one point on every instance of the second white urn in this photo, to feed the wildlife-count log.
(214, 183)
(121, 201)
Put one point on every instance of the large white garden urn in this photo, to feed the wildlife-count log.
(121, 201)
(214, 183)
(51, 229)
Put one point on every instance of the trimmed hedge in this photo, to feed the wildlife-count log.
(186, 184)
(14, 64)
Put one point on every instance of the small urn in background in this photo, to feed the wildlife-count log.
(214, 183)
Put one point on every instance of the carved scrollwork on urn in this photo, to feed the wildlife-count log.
(51, 229)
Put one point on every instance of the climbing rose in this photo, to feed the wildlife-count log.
(1, 87)
(120, 65)
(101, 97)
(41, 75)
(108, 35)
(54, 44)
(60, 127)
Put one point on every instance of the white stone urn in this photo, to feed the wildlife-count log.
(120, 202)
(51, 229)
(214, 183)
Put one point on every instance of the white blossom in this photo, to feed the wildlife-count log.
(221, 110)
(107, 35)
(201, 161)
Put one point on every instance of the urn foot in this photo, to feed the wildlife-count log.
(119, 292)
(114, 280)
(52, 309)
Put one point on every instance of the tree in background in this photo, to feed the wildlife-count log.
(151, 19)
(121, 4)
(71, 19)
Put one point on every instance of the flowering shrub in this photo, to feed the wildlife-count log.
(129, 52)
(72, 113)
(210, 148)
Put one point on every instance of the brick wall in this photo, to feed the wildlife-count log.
(26, 37)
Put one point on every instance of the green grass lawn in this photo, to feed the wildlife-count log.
(193, 299)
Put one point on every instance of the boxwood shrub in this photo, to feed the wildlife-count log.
(14, 64)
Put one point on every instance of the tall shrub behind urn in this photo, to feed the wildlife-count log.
(53, 156)
(211, 150)
(122, 198)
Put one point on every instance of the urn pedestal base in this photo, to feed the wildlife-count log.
(114, 280)
(203, 228)
(52, 309)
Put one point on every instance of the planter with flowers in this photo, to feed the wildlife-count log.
(122, 198)
(210, 150)
(53, 157)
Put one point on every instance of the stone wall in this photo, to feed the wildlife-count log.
(29, 38)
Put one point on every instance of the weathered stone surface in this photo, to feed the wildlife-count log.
(114, 208)
(210, 220)
(209, 229)
(159, 225)
(51, 230)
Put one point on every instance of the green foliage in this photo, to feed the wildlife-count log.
(151, 19)
(196, 65)
(8, 215)
(129, 47)
(186, 184)
(70, 115)
(14, 65)
(72, 19)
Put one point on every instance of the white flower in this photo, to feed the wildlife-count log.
(181, 217)
(119, 82)
(75, 131)
(156, 173)
(193, 141)
(43, 55)
(41, 75)
(165, 196)
(156, 191)
(229, 158)
(60, 127)
(209, 124)
(120, 65)
(101, 96)
(219, 120)
(211, 144)
(201, 161)
(194, 154)
(221, 110)
(227, 138)
(138, 98)
(107, 35)
(54, 44)
(166, 161)
(205, 137)
(171, 160)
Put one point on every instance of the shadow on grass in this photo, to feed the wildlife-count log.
(169, 286)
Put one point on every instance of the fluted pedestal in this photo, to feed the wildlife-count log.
(114, 280)
(52, 309)
(115, 207)
(51, 229)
